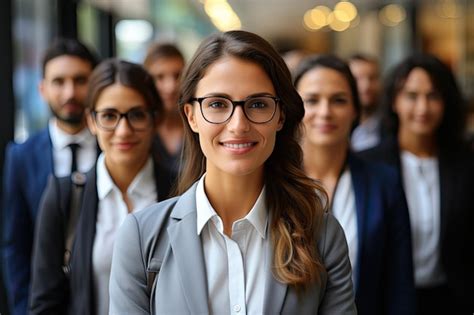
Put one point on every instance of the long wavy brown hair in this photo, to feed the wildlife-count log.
(294, 200)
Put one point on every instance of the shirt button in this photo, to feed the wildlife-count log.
(237, 308)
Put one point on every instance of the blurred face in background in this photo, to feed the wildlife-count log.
(167, 73)
(64, 88)
(129, 142)
(367, 76)
(418, 105)
(329, 107)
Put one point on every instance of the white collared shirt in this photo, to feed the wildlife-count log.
(344, 209)
(111, 212)
(367, 134)
(422, 190)
(62, 156)
(235, 267)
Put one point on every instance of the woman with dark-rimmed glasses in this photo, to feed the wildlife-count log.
(248, 233)
(124, 108)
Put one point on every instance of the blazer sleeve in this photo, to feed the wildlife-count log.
(49, 285)
(400, 288)
(338, 295)
(128, 278)
(17, 232)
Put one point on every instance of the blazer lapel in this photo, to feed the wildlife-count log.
(187, 247)
(275, 291)
(84, 241)
(359, 183)
(447, 186)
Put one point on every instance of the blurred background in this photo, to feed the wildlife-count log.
(387, 29)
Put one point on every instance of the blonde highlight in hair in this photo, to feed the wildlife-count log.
(293, 200)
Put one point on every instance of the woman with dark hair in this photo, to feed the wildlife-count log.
(248, 234)
(124, 108)
(165, 63)
(424, 113)
(366, 198)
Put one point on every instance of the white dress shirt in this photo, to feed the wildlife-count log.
(367, 134)
(344, 209)
(422, 190)
(235, 267)
(62, 156)
(111, 212)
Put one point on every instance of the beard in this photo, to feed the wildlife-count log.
(70, 118)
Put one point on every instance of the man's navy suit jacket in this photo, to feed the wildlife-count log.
(26, 170)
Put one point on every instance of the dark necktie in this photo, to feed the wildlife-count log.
(74, 147)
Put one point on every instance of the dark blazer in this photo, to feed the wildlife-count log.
(384, 275)
(456, 173)
(180, 286)
(51, 293)
(26, 170)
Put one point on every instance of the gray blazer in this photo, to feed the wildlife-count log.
(180, 285)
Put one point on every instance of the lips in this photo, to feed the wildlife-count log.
(325, 127)
(239, 147)
(125, 145)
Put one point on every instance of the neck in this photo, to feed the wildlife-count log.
(122, 174)
(69, 128)
(366, 112)
(419, 145)
(325, 163)
(232, 196)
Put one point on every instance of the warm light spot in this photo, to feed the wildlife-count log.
(336, 24)
(345, 11)
(222, 15)
(392, 15)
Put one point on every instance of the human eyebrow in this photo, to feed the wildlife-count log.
(259, 94)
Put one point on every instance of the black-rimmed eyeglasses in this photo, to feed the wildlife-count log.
(138, 119)
(219, 109)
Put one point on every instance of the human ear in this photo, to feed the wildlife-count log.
(281, 121)
(190, 115)
(42, 89)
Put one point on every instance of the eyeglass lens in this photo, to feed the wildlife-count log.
(138, 119)
(257, 109)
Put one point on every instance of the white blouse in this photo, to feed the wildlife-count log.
(344, 209)
(422, 190)
(111, 212)
(236, 269)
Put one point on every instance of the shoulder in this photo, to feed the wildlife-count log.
(34, 142)
(331, 237)
(149, 221)
(386, 151)
(380, 172)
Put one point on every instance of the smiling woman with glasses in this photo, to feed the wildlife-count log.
(138, 119)
(124, 108)
(248, 233)
(219, 109)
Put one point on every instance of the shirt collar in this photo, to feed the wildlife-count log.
(61, 139)
(143, 184)
(257, 216)
(105, 184)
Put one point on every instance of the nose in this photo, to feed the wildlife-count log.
(422, 103)
(69, 89)
(238, 123)
(123, 127)
(324, 108)
(170, 85)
